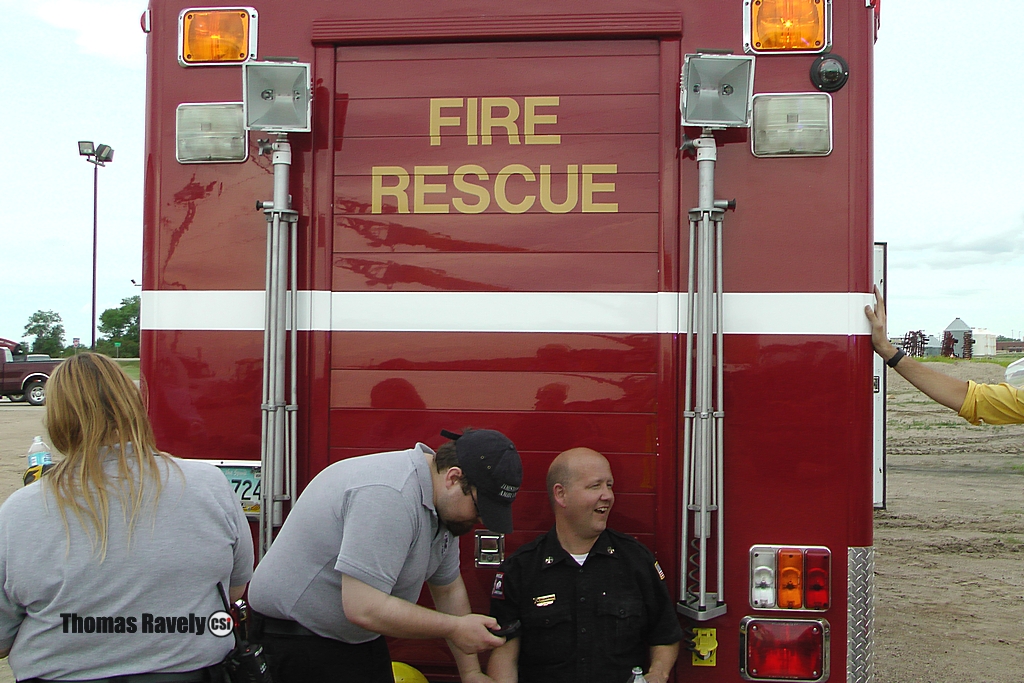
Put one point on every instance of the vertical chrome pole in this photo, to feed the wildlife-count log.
(291, 488)
(702, 419)
(688, 453)
(277, 454)
(719, 404)
(706, 157)
(265, 496)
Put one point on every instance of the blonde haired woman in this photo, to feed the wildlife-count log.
(109, 564)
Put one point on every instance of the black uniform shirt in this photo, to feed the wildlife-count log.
(586, 624)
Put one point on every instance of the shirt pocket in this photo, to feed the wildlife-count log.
(620, 619)
(547, 636)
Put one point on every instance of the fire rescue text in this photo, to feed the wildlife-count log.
(576, 188)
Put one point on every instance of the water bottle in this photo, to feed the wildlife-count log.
(638, 675)
(39, 453)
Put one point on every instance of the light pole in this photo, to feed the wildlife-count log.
(97, 156)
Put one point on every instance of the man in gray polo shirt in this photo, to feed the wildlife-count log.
(348, 565)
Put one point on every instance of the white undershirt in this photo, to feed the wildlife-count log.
(580, 559)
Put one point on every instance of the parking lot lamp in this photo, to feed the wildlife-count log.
(98, 156)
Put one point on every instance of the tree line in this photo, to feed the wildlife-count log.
(117, 325)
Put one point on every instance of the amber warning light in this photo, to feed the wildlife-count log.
(216, 36)
(787, 25)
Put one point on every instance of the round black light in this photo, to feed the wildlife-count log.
(829, 73)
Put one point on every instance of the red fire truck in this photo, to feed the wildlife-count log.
(641, 226)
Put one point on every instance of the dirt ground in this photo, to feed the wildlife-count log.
(949, 545)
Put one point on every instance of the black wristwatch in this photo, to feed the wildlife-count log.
(896, 358)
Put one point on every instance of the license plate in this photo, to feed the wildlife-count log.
(244, 477)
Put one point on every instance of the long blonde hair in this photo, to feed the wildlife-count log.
(92, 405)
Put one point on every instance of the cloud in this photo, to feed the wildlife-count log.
(969, 249)
(106, 28)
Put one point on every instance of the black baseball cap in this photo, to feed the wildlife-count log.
(490, 461)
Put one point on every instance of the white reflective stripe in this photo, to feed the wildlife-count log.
(797, 313)
(608, 313)
(201, 310)
(225, 310)
(601, 313)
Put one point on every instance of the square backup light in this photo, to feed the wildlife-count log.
(792, 125)
(210, 132)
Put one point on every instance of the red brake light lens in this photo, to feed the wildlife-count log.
(792, 650)
(816, 578)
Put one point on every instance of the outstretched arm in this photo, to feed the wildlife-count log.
(938, 386)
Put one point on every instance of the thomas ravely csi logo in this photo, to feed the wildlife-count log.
(220, 624)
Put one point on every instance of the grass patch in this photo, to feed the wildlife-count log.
(131, 367)
(1002, 359)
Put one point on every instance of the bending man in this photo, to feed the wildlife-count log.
(353, 555)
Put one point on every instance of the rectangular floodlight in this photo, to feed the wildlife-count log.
(276, 96)
(716, 90)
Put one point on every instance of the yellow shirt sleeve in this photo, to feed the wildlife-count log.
(996, 404)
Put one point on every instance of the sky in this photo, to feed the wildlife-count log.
(949, 140)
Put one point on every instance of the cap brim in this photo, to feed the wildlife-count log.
(496, 516)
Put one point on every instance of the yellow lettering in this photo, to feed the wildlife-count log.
(396, 191)
(471, 110)
(590, 187)
(421, 188)
(436, 120)
(532, 119)
(463, 185)
(572, 196)
(508, 122)
(499, 189)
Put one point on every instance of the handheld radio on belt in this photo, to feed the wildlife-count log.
(245, 663)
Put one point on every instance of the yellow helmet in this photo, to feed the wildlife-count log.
(407, 674)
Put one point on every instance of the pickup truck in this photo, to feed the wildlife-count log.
(24, 380)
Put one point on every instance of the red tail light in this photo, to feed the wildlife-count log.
(784, 649)
(816, 578)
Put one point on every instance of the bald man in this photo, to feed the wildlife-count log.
(592, 602)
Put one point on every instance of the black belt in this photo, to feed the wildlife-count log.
(283, 627)
(197, 676)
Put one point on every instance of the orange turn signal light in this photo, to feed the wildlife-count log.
(216, 36)
(788, 25)
(791, 578)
